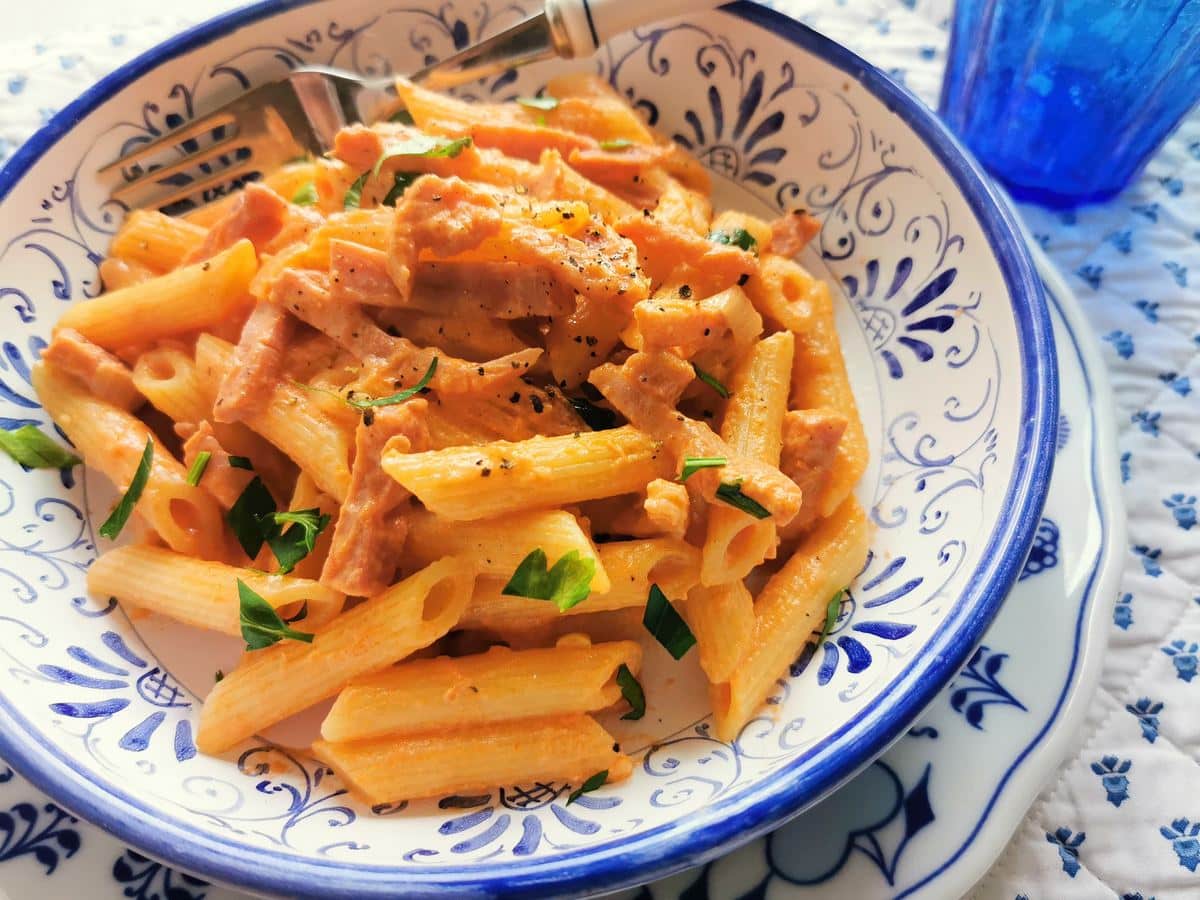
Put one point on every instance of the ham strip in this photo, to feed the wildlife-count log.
(104, 374)
(258, 214)
(791, 233)
(220, 479)
(810, 443)
(665, 249)
(257, 363)
(372, 524)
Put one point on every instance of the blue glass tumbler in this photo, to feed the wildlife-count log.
(1065, 100)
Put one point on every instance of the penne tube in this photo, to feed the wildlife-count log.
(500, 685)
(790, 607)
(632, 566)
(113, 440)
(202, 593)
(271, 684)
(561, 748)
(195, 296)
(495, 547)
(291, 420)
(753, 426)
(490, 480)
(722, 619)
(819, 379)
(158, 242)
(783, 293)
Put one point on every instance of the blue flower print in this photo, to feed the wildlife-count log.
(1112, 778)
(1147, 421)
(1122, 342)
(149, 880)
(1068, 845)
(1173, 185)
(1183, 655)
(1178, 272)
(41, 832)
(1149, 310)
(1182, 835)
(1093, 275)
(1122, 240)
(1149, 210)
(1126, 467)
(1123, 612)
(1149, 559)
(1183, 508)
(1146, 712)
(1180, 384)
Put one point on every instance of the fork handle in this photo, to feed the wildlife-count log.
(580, 27)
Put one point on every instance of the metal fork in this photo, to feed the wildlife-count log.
(299, 115)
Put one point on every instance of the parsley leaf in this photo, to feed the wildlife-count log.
(421, 145)
(401, 182)
(711, 381)
(403, 395)
(543, 102)
(298, 541)
(663, 621)
(120, 515)
(30, 447)
(738, 237)
(832, 611)
(592, 784)
(199, 464)
(306, 195)
(241, 462)
(261, 625)
(246, 516)
(731, 492)
(616, 146)
(353, 195)
(403, 116)
(632, 691)
(566, 584)
(693, 464)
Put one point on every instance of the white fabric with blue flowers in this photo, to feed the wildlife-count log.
(1122, 819)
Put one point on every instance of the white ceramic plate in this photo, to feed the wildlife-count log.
(948, 341)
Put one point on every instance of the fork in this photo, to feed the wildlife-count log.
(299, 115)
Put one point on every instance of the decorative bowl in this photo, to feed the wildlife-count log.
(947, 338)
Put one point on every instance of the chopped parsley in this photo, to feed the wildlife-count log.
(663, 621)
(631, 690)
(306, 195)
(544, 102)
(254, 507)
(421, 145)
(832, 611)
(738, 237)
(731, 492)
(241, 462)
(711, 381)
(120, 515)
(400, 397)
(566, 584)
(693, 464)
(291, 546)
(199, 464)
(403, 116)
(353, 196)
(261, 625)
(616, 146)
(401, 182)
(33, 449)
(592, 784)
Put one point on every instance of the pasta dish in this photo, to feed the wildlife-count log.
(455, 424)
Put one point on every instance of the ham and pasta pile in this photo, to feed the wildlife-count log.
(454, 423)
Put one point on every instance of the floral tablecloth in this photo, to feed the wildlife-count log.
(1122, 817)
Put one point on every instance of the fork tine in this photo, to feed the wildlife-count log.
(141, 189)
(194, 129)
(213, 181)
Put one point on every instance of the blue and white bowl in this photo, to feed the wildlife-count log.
(948, 341)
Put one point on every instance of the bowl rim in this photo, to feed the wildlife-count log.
(676, 845)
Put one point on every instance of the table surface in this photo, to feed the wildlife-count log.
(1135, 265)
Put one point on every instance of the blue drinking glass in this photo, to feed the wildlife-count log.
(1065, 100)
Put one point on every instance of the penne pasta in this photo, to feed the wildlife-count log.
(440, 694)
(560, 748)
(203, 593)
(157, 242)
(270, 685)
(722, 619)
(493, 479)
(195, 296)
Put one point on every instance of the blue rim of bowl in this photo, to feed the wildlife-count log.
(673, 846)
